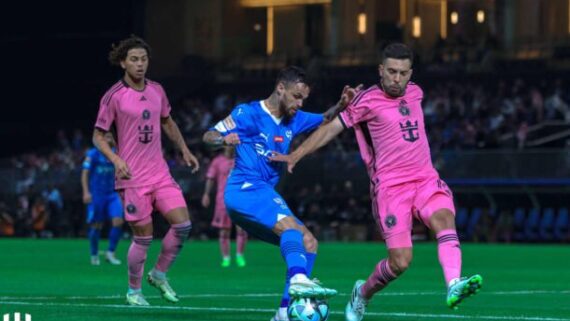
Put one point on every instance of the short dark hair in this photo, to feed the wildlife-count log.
(398, 50)
(120, 51)
(292, 74)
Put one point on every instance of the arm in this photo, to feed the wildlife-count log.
(346, 97)
(319, 138)
(207, 191)
(173, 132)
(85, 186)
(215, 139)
(121, 168)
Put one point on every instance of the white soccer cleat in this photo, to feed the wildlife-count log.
(280, 315)
(110, 257)
(95, 260)
(162, 284)
(357, 305)
(302, 287)
(136, 299)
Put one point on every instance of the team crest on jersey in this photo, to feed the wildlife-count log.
(390, 221)
(404, 109)
(289, 134)
(131, 209)
(146, 114)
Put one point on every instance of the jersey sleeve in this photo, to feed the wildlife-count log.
(239, 121)
(357, 111)
(88, 161)
(165, 107)
(106, 114)
(212, 169)
(307, 121)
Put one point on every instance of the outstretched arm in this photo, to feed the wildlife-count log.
(318, 139)
(173, 132)
(215, 139)
(346, 97)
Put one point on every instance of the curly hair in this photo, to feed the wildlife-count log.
(119, 51)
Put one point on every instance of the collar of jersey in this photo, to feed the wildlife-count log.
(275, 119)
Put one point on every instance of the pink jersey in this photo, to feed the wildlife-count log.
(136, 115)
(219, 171)
(391, 135)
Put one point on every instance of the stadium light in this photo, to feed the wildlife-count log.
(416, 27)
(269, 49)
(454, 18)
(362, 23)
(480, 16)
(443, 19)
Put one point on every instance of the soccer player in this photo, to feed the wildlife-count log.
(103, 203)
(217, 174)
(389, 125)
(140, 112)
(258, 129)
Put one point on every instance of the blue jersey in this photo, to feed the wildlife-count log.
(261, 134)
(101, 173)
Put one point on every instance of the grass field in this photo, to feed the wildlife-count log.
(52, 280)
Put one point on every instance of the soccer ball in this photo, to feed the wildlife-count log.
(308, 309)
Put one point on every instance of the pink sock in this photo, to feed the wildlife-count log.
(172, 244)
(241, 240)
(136, 258)
(224, 239)
(449, 253)
(378, 280)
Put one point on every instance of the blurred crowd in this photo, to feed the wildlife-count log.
(467, 114)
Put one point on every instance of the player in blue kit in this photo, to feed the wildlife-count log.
(260, 129)
(103, 203)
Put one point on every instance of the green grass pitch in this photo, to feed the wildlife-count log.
(52, 280)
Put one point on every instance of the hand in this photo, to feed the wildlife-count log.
(205, 200)
(232, 139)
(122, 170)
(191, 161)
(87, 198)
(348, 94)
(289, 159)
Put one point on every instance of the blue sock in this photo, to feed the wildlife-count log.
(94, 240)
(114, 236)
(285, 298)
(310, 262)
(293, 251)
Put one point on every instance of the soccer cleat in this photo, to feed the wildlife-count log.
(95, 260)
(110, 257)
(226, 262)
(162, 284)
(302, 287)
(355, 308)
(240, 260)
(136, 299)
(463, 288)
(280, 316)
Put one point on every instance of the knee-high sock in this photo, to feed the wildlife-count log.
(172, 244)
(293, 251)
(380, 277)
(94, 235)
(114, 236)
(449, 254)
(136, 258)
(309, 261)
(241, 240)
(224, 240)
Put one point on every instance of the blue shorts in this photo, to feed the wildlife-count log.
(257, 209)
(104, 207)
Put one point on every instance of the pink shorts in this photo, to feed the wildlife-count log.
(395, 206)
(139, 202)
(221, 218)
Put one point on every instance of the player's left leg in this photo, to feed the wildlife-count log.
(224, 240)
(170, 201)
(95, 221)
(438, 213)
(241, 240)
(115, 210)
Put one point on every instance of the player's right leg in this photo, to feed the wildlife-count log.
(224, 240)
(94, 220)
(115, 211)
(137, 208)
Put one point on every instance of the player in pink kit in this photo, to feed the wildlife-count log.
(138, 110)
(217, 174)
(389, 125)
